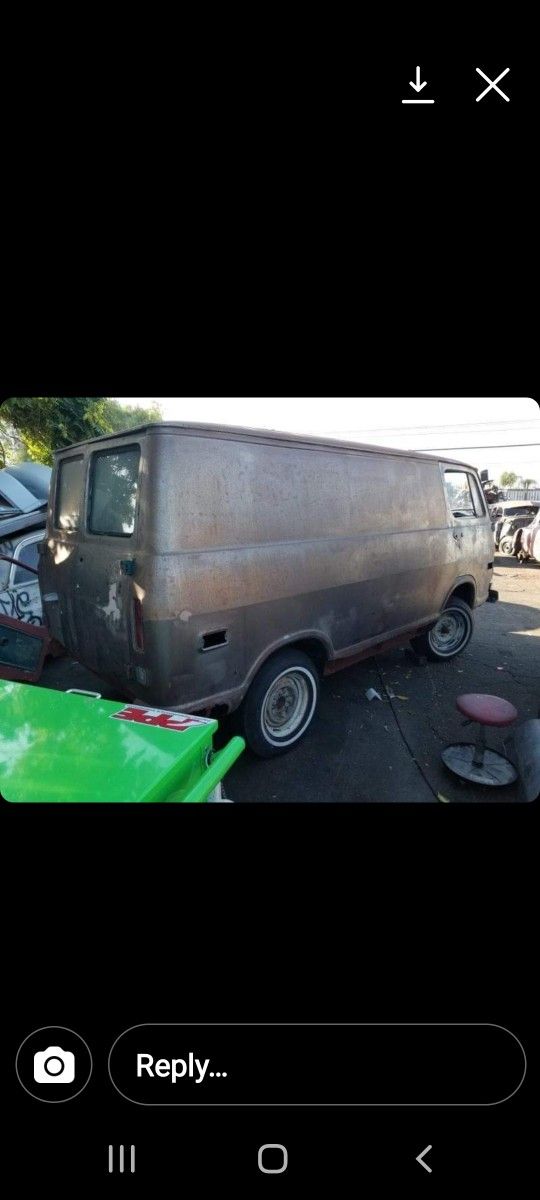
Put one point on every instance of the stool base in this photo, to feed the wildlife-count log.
(495, 770)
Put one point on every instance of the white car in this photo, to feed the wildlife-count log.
(508, 516)
(20, 595)
(24, 490)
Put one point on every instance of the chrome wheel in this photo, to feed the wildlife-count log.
(451, 632)
(288, 706)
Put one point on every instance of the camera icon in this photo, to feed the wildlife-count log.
(54, 1065)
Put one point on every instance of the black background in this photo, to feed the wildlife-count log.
(291, 229)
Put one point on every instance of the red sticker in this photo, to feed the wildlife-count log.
(159, 717)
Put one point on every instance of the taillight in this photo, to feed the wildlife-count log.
(138, 624)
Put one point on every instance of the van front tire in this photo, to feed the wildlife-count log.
(450, 634)
(280, 704)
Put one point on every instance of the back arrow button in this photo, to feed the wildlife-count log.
(420, 1158)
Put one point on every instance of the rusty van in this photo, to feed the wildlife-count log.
(214, 568)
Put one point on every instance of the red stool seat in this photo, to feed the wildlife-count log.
(487, 710)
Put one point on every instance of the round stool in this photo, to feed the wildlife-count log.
(473, 760)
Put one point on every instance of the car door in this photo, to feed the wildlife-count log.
(21, 598)
(470, 527)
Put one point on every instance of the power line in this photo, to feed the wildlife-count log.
(529, 423)
(443, 449)
(431, 432)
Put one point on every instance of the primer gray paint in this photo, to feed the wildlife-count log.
(266, 539)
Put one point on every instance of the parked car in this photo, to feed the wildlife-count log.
(509, 516)
(24, 490)
(212, 569)
(526, 541)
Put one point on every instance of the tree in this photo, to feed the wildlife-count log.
(527, 483)
(43, 424)
(508, 479)
(126, 416)
(12, 449)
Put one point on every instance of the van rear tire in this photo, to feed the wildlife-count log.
(450, 634)
(280, 704)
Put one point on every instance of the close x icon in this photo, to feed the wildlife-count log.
(492, 84)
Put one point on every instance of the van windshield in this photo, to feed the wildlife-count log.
(113, 491)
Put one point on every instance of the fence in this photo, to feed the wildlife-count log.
(522, 493)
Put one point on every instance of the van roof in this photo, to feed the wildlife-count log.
(268, 436)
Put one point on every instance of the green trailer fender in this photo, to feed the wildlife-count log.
(78, 748)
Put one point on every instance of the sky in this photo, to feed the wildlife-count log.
(485, 432)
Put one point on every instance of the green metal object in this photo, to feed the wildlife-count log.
(57, 746)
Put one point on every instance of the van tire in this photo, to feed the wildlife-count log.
(460, 629)
(287, 681)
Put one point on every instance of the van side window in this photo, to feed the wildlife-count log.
(460, 495)
(26, 554)
(113, 491)
(69, 493)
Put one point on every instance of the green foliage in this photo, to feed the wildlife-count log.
(117, 417)
(12, 449)
(38, 425)
(508, 479)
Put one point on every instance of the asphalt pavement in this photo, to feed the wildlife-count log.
(388, 750)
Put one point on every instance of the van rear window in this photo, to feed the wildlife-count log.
(69, 493)
(113, 491)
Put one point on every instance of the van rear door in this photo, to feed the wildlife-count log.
(88, 592)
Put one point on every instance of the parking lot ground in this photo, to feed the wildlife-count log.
(389, 750)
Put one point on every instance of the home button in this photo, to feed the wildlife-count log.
(272, 1158)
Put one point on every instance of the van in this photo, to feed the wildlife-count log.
(213, 568)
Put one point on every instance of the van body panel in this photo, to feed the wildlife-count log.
(244, 541)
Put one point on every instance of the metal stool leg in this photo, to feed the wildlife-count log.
(475, 762)
(480, 747)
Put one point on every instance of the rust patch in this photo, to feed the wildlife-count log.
(337, 664)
